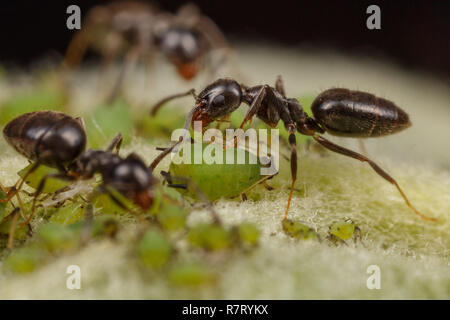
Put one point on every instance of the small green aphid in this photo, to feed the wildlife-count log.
(154, 249)
(248, 234)
(217, 180)
(210, 236)
(191, 275)
(171, 216)
(58, 238)
(298, 230)
(340, 231)
(24, 260)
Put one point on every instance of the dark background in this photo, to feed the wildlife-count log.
(415, 34)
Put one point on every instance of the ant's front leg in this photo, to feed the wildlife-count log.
(115, 143)
(155, 108)
(255, 105)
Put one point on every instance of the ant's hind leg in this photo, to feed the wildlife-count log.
(115, 143)
(346, 152)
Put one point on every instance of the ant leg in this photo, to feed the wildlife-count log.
(346, 152)
(39, 191)
(161, 156)
(267, 186)
(279, 86)
(160, 103)
(12, 228)
(115, 143)
(130, 61)
(77, 48)
(18, 185)
(256, 104)
(293, 143)
(253, 109)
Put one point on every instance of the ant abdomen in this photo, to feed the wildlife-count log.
(344, 112)
(52, 138)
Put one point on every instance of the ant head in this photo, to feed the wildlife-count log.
(132, 178)
(184, 48)
(217, 100)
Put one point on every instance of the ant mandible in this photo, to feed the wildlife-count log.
(338, 111)
(138, 29)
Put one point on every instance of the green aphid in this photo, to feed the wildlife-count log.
(68, 214)
(298, 230)
(105, 226)
(213, 237)
(191, 275)
(24, 260)
(57, 238)
(106, 120)
(341, 231)
(154, 249)
(217, 180)
(248, 234)
(34, 178)
(172, 217)
(29, 101)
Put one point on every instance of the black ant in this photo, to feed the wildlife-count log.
(338, 111)
(58, 141)
(138, 29)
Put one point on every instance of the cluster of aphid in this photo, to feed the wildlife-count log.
(58, 141)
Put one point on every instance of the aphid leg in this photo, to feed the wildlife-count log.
(115, 143)
(128, 63)
(292, 142)
(39, 189)
(346, 152)
(12, 228)
(279, 86)
(159, 104)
